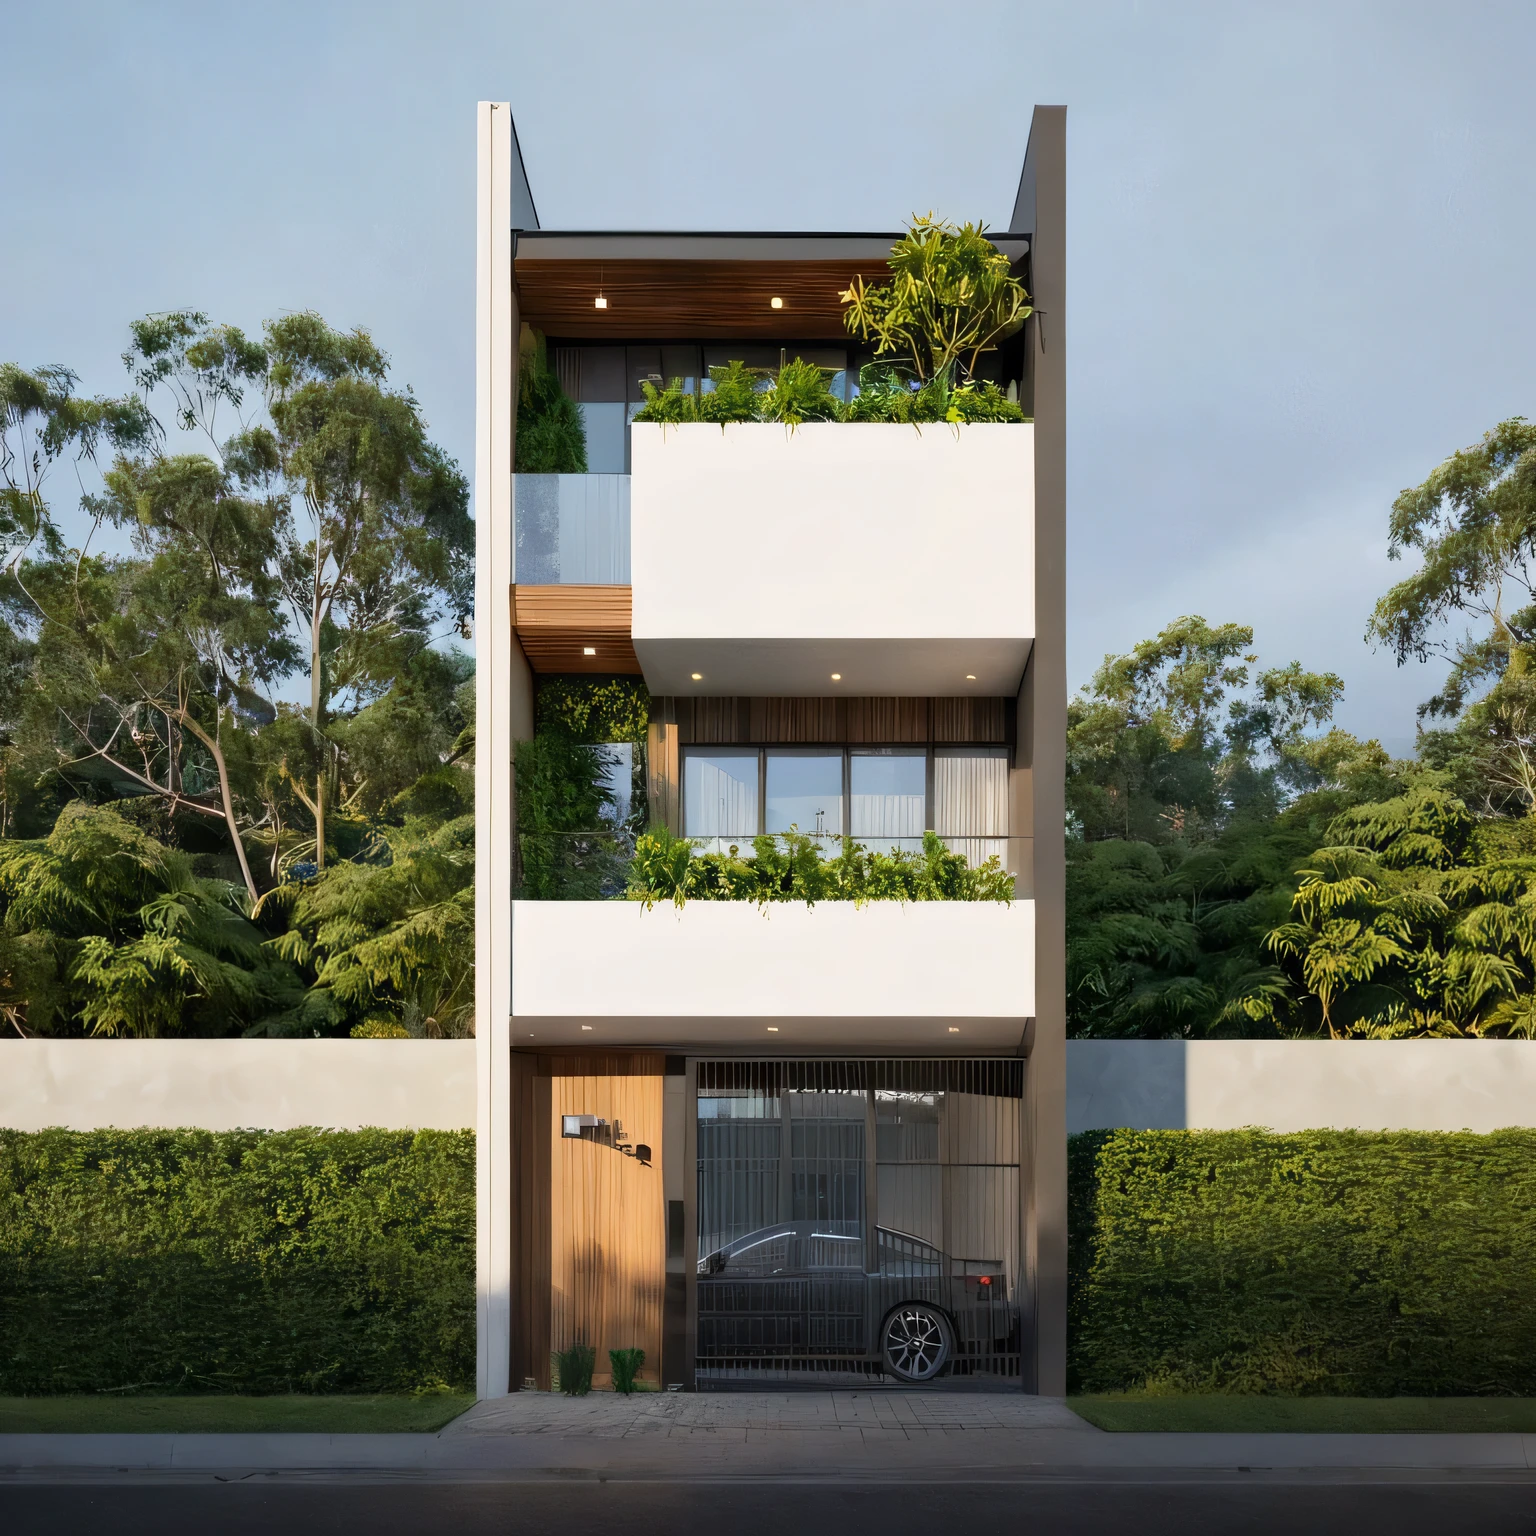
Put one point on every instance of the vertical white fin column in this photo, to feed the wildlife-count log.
(494, 342)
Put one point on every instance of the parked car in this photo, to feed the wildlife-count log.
(799, 1293)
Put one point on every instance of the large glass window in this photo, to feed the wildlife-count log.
(883, 797)
(888, 800)
(805, 790)
(720, 794)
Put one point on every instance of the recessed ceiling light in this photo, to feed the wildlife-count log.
(954, 1029)
(837, 677)
(773, 1029)
(600, 302)
(589, 650)
(776, 303)
(970, 677)
(698, 677)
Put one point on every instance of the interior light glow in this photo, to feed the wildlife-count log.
(954, 1029)
(970, 677)
(587, 1027)
(776, 303)
(600, 302)
(589, 650)
(773, 1029)
(698, 677)
(837, 677)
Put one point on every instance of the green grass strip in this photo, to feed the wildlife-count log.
(1233, 1414)
(191, 1415)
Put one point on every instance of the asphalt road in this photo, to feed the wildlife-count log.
(1029, 1507)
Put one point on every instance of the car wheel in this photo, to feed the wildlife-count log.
(917, 1343)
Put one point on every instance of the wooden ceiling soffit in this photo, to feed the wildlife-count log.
(556, 626)
(690, 300)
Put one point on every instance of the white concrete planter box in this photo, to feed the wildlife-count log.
(948, 977)
(766, 559)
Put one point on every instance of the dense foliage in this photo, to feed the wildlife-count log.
(182, 849)
(243, 1261)
(801, 392)
(791, 866)
(1236, 868)
(551, 437)
(1323, 1262)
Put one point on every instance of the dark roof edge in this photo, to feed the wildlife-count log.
(524, 215)
(712, 234)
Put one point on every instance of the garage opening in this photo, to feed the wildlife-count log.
(858, 1222)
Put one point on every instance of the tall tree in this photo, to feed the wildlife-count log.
(374, 539)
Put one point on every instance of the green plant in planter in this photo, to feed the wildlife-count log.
(671, 406)
(625, 1365)
(573, 1369)
(663, 868)
(800, 393)
(789, 866)
(736, 395)
(951, 297)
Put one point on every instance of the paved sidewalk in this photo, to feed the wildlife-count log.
(839, 1436)
(910, 1415)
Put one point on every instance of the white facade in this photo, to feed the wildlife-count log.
(766, 559)
(933, 976)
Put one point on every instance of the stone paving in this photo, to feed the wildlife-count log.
(732, 1415)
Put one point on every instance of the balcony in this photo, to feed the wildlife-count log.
(766, 560)
(929, 976)
(571, 530)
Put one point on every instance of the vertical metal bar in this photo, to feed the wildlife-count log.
(691, 1220)
(871, 1175)
(780, 1076)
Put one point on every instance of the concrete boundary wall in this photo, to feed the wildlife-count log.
(1297, 1085)
(221, 1085)
(1287, 1085)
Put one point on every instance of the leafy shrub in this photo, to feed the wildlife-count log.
(573, 1369)
(240, 1261)
(951, 297)
(736, 395)
(789, 866)
(1326, 1262)
(800, 393)
(561, 800)
(625, 1365)
(594, 709)
(110, 931)
(551, 438)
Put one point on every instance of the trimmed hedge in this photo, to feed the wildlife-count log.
(242, 1261)
(1325, 1262)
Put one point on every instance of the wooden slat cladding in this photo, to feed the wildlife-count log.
(554, 624)
(608, 1217)
(690, 300)
(841, 722)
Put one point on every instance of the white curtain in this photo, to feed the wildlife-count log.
(970, 801)
(720, 797)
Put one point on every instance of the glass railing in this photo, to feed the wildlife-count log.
(596, 866)
(570, 530)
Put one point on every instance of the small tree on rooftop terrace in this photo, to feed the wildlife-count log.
(951, 297)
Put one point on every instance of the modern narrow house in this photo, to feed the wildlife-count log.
(784, 1141)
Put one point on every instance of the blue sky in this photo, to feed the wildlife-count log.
(1300, 235)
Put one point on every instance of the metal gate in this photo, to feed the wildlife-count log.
(858, 1220)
